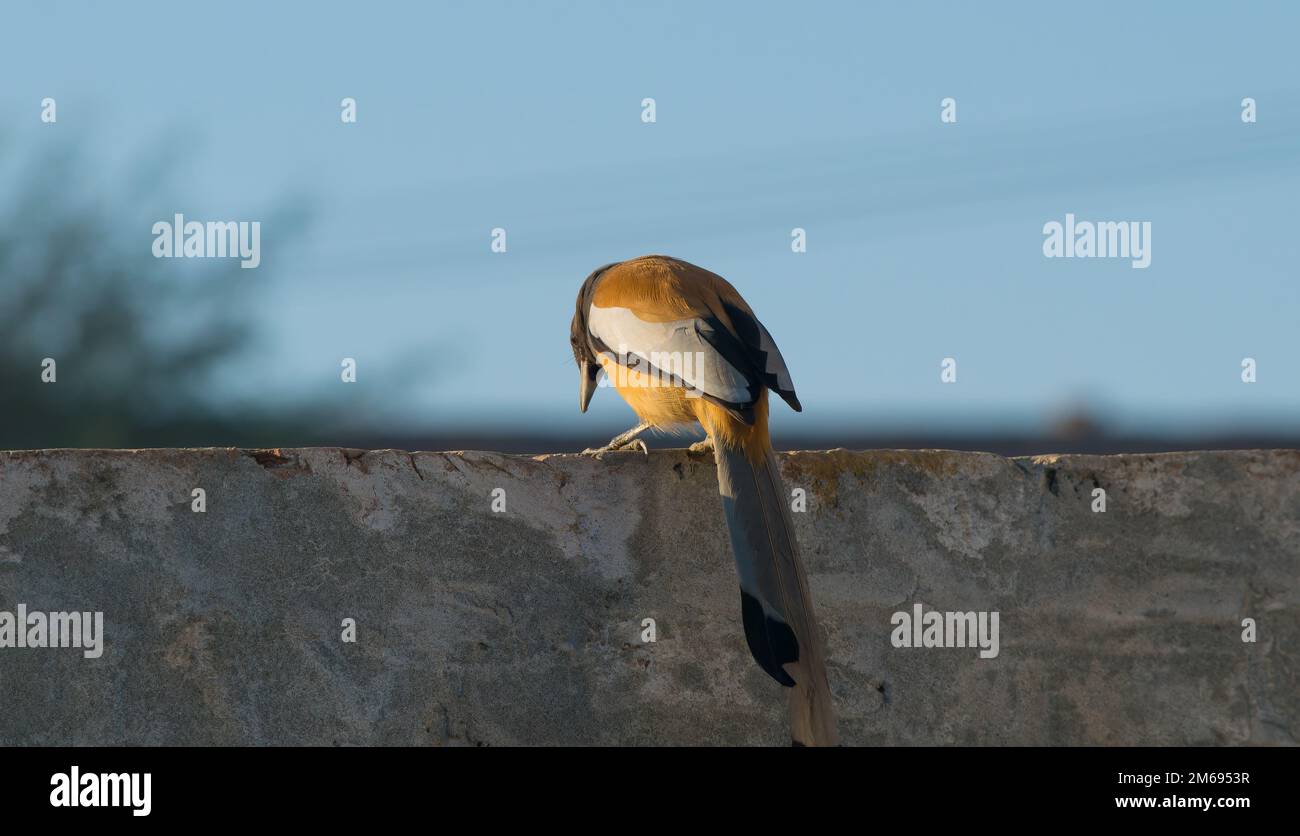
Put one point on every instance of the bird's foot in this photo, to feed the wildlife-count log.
(622, 441)
(701, 448)
(598, 453)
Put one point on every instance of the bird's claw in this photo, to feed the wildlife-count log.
(700, 448)
(598, 453)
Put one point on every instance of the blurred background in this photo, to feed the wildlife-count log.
(924, 239)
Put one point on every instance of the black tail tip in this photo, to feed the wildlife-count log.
(772, 642)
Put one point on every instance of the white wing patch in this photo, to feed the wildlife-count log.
(675, 347)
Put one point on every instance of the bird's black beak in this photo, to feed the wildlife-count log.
(587, 385)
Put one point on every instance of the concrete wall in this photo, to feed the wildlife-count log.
(523, 627)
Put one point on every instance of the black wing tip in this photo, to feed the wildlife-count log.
(772, 643)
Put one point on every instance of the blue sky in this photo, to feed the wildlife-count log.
(924, 239)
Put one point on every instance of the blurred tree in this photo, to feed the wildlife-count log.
(137, 340)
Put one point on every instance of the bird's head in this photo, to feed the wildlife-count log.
(588, 367)
(580, 341)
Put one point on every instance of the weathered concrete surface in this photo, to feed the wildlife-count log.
(523, 627)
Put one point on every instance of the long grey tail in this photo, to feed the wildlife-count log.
(777, 608)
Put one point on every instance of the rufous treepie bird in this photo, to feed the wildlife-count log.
(682, 347)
